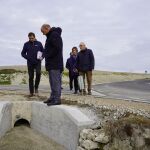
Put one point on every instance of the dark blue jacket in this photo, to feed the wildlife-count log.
(85, 60)
(54, 50)
(70, 65)
(30, 50)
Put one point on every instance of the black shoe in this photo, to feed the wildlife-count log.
(89, 93)
(75, 92)
(53, 103)
(36, 91)
(47, 101)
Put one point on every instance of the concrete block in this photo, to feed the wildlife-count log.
(60, 123)
(5, 117)
(21, 110)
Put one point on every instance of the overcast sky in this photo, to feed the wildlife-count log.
(118, 31)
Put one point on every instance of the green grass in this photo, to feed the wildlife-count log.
(24, 81)
(5, 79)
(8, 71)
(45, 73)
(120, 73)
(5, 82)
(65, 73)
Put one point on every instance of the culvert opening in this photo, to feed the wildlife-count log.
(22, 122)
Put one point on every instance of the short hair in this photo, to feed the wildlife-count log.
(46, 26)
(75, 48)
(82, 43)
(31, 34)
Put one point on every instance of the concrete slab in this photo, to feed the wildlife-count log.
(60, 123)
(5, 117)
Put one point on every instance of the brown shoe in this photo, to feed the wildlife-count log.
(82, 92)
(36, 92)
(31, 95)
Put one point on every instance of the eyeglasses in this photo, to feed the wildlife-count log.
(81, 45)
(31, 38)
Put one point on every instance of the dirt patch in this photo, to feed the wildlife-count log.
(24, 138)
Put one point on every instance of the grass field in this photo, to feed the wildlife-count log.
(18, 75)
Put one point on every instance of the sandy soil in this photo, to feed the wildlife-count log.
(75, 99)
(24, 138)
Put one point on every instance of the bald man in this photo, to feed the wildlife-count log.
(53, 53)
(85, 64)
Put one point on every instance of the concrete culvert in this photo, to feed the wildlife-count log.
(22, 122)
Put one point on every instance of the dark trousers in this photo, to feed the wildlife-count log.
(73, 79)
(71, 82)
(55, 84)
(31, 68)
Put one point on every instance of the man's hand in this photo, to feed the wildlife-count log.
(75, 70)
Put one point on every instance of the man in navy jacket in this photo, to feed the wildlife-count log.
(53, 53)
(85, 64)
(30, 52)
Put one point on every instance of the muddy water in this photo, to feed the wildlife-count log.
(24, 138)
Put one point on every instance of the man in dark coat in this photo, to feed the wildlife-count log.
(70, 65)
(85, 64)
(31, 50)
(53, 54)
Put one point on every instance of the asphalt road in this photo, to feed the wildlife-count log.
(137, 90)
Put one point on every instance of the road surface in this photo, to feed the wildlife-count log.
(137, 90)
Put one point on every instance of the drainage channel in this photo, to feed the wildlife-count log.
(35, 126)
(22, 122)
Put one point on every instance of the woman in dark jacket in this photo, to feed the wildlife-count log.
(70, 65)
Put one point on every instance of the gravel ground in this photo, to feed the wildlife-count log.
(92, 101)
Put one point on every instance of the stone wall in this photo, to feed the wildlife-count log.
(117, 130)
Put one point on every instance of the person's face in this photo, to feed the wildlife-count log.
(44, 30)
(31, 38)
(82, 46)
(74, 52)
